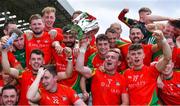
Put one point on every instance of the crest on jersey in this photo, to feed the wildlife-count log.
(64, 98)
(38, 41)
(117, 83)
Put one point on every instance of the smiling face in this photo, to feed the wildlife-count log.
(168, 30)
(69, 40)
(102, 47)
(36, 61)
(9, 97)
(135, 35)
(49, 19)
(49, 81)
(37, 26)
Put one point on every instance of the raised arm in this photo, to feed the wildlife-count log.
(57, 47)
(6, 66)
(85, 71)
(33, 93)
(153, 18)
(69, 69)
(167, 53)
(155, 26)
(122, 14)
(129, 22)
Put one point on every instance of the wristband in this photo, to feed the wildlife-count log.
(69, 59)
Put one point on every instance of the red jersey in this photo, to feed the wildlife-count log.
(25, 81)
(61, 64)
(142, 85)
(59, 36)
(147, 51)
(44, 43)
(107, 89)
(95, 61)
(12, 60)
(90, 50)
(63, 96)
(170, 93)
